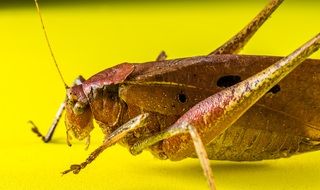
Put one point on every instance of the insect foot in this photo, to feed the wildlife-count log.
(74, 168)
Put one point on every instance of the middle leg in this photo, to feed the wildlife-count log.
(111, 139)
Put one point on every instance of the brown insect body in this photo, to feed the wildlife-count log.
(281, 124)
(221, 106)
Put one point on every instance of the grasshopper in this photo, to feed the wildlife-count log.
(199, 106)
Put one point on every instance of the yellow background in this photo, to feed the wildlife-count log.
(88, 37)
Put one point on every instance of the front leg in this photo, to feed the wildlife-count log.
(53, 127)
(79, 80)
(114, 137)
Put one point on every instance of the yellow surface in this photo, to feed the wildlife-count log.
(90, 37)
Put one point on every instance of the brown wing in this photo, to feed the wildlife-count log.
(166, 99)
(290, 111)
(262, 134)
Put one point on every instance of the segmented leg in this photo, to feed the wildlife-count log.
(182, 129)
(51, 130)
(162, 56)
(112, 138)
(237, 42)
(79, 80)
(232, 102)
(218, 112)
(202, 155)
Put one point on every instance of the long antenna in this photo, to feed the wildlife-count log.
(48, 42)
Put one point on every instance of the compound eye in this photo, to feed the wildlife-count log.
(78, 108)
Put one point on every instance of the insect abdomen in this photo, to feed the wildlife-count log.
(248, 144)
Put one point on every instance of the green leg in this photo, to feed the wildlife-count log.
(237, 42)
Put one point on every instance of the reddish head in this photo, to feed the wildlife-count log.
(95, 98)
(78, 113)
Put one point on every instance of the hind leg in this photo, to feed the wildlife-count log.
(214, 115)
(237, 42)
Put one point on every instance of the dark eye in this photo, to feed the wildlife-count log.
(228, 80)
(78, 108)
